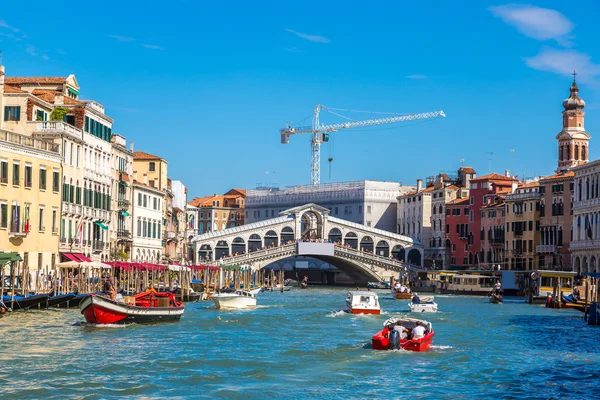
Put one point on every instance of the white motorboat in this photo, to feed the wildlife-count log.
(237, 299)
(362, 302)
(426, 304)
(257, 290)
(277, 288)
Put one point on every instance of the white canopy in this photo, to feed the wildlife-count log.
(95, 265)
(178, 268)
(69, 264)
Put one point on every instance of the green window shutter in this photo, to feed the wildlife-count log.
(78, 196)
(4, 216)
(139, 199)
(6, 113)
(71, 193)
(70, 229)
(87, 124)
(18, 113)
(108, 203)
(62, 228)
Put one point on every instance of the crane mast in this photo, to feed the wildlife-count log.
(320, 133)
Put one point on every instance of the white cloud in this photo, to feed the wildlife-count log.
(564, 62)
(122, 38)
(31, 50)
(416, 76)
(535, 22)
(312, 38)
(153, 47)
(13, 33)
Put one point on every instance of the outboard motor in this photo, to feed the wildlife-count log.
(394, 340)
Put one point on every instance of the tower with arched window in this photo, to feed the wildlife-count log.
(573, 140)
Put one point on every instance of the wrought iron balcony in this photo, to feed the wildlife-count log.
(123, 234)
(123, 203)
(546, 248)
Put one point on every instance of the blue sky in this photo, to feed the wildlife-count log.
(208, 85)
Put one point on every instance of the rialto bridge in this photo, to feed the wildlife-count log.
(362, 252)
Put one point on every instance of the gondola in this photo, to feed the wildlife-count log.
(26, 302)
(496, 298)
(60, 299)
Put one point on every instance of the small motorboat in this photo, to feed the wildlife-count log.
(278, 288)
(236, 299)
(402, 293)
(26, 302)
(303, 285)
(148, 306)
(188, 294)
(423, 304)
(495, 298)
(397, 334)
(378, 285)
(362, 302)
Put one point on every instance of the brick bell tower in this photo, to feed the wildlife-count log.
(573, 140)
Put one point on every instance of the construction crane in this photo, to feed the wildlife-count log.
(320, 133)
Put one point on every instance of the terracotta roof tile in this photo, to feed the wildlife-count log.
(493, 177)
(12, 89)
(468, 170)
(528, 185)
(140, 155)
(458, 202)
(34, 80)
(568, 174)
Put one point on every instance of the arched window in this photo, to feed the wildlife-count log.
(568, 152)
(583, 155)
(441, 210)
(201, 227)
(576, 152)
(561, 153)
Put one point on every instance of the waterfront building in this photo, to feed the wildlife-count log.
(414, 215)
(457, 232)
(482, 188)
(522, 234)
(492, 232)
(447, 187)
(371, 203)
(191, 231)
(30, 199)
(218, 212)
(49, 108)
(174, 235)
(585, 246)
(122, 169)
(556, 217)
(148, 210)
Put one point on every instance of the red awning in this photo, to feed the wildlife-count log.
(77, 257)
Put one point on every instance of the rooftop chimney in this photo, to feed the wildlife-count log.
(131, 146)
(419, 185)
(507, 173)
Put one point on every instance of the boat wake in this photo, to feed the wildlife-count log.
(433, 347)
(336, 313)
(102, 326)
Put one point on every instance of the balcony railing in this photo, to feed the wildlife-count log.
(124, 203)
(593, 244)
(4, 180)
(70, 208)
(123, 234)
(523, 196)
(545, 248)
(29, 141)
(98, 245)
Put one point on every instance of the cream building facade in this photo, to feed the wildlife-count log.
(148, 208)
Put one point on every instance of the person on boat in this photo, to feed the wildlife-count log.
(576, 294)
(403, 331)
(418, 331)
(109, 288)
(416, 299)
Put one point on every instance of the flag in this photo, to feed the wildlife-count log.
(80, 232)
(588, 227)
(27, 226)
(191, 221)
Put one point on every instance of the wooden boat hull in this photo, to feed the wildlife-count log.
(403, 296)
(26, 303)
(363, 311)
(381, 342)
(101, 310)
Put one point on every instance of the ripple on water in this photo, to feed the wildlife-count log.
(295, 345)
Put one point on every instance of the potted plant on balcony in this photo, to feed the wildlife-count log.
(58, 114)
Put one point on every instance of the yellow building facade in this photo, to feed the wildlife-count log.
(30, 199)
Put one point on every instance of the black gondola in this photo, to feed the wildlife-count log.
(26, 302)
(60, 300)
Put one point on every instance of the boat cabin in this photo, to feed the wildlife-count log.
(362, 302)
(467, 283)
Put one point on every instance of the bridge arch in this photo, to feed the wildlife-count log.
(351, 239)
(366, 244)
(271, 239)
(254, 242)
(311, 223)
(205, 252)
(238, 246)
(414, 257)
(398, 252)
(287, 234)
(222, 249)
(335, 235)
(382, 248)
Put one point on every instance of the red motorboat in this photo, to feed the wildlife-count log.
(149, 306)
(397, 334)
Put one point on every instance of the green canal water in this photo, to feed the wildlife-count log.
(295, 345)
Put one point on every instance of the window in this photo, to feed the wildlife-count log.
(12, 113)
(145, 201)
(3, 215)
(471, 200)
(54, 214)
(4, 172)
(43, 178)
(139, 199)
(55, 181)
(152, 167)
(360, 209)
(28, 176)
(16, 172)
(139, 227)
(41, 115)
(41, 220)
(155, 203)
(368, 209)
